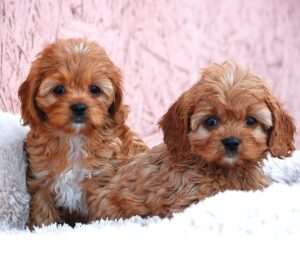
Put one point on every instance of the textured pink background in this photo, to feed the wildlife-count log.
(159, 45)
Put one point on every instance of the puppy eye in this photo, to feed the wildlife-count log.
(59, 90)
(94, 89)
(212, 122)
(250, 121)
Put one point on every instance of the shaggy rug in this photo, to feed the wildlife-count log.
(271, 216)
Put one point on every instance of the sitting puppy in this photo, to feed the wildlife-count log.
(72, 99)
(216, 135)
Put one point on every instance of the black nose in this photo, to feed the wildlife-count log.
(79, 109)
(231, 143)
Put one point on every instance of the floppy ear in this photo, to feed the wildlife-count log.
(176, 126)
(30, 113)
(281, 137)
(117, 109)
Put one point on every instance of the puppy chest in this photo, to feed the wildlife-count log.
(68, 192)
(67, 188)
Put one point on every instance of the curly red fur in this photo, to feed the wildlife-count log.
(194, 163)
(67, 158)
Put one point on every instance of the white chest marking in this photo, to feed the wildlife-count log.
(67, 184)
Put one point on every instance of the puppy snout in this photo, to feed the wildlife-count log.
(79, 109)
(231, 144)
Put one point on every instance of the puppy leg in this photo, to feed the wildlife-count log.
(42, 211)
(101, 207)
(96, 194)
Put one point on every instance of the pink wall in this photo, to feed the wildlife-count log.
(159, 45)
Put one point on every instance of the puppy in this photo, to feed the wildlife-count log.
(73, 101)
(215, 137)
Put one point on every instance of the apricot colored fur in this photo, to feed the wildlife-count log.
(193, 164)
(67, 159)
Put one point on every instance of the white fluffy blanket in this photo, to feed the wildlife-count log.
(270, 214)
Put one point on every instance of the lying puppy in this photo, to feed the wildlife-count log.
(216, 135)
(72, 99)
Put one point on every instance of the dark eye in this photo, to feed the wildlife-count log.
(211, 122)
(59, 90)
(94, 89)
(250, 121)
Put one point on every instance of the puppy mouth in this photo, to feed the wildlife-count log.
(79, 120)
(78, 123)
(230, 154)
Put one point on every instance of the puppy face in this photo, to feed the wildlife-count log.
(73, 87)
(229, 118)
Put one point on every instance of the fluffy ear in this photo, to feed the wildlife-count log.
(30, 113)
(117, 110)
(281, 137)
(176, 126)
